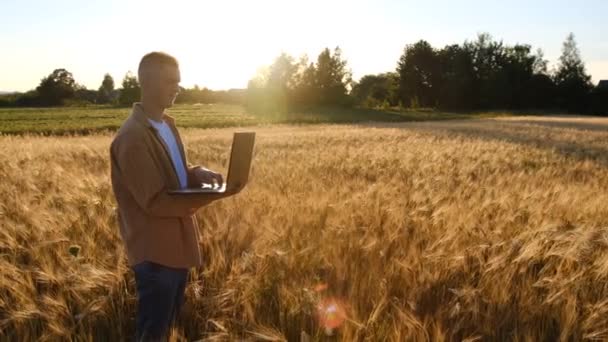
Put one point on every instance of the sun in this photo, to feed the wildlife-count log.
(221, 45)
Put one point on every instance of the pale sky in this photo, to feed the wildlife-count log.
(221, 44)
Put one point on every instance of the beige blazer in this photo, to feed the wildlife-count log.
(153, 225)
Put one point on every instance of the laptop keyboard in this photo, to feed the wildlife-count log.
(213, 186)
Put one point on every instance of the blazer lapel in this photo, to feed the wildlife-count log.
(140, 116)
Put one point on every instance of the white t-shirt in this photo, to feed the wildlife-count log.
(167, 135)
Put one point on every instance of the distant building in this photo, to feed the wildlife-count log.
(603, 84)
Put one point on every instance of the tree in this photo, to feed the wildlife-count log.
(482, 74)
(517, 70)
(540, 89)
(332, 78)
(280, 81)
(305, 92)
(541, 92)
(28, 99)
(285, 84)
(488, 59)
(194, 95)
(281, 73)
(56, 88)
(106, 90)
(377, 90)
(418, 70)
(273, 88)
(573, 83)
(130, 91)
(540, 63)
(599, 100)
(455, 91)
(82, 95)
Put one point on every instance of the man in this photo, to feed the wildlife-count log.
(159, 230)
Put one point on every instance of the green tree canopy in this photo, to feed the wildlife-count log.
(106, 90)
(130, 91)
(56, 87)
(573, 83)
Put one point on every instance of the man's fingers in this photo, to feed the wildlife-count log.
(208, 176)
(219, 178)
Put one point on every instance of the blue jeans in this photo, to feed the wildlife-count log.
(160, 295)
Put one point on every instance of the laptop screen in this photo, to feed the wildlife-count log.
(240, 159)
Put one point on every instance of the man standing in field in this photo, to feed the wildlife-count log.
(160, 231)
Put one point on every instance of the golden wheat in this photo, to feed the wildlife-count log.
(482, 229)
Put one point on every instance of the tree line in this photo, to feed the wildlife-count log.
(59, 89)
(287, 83)
(483, 74)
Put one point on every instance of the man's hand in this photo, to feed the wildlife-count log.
(203, 175)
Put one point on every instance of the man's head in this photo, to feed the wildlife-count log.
(159, 79)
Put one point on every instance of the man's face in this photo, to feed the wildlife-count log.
(163, 89)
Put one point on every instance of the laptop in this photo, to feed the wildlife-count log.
(241, 154)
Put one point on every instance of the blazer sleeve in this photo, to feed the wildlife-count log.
(192, 181)
(144, 181)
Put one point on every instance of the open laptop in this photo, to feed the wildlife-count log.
(241, 154)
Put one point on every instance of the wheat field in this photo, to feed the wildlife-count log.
(491, 229)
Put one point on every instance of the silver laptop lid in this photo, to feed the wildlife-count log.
(240, 159)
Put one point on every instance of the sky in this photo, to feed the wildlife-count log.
(222, 44)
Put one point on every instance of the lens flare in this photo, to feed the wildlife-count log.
(320, 287)
(331, 314)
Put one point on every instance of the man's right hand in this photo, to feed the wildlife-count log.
(206, 176)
